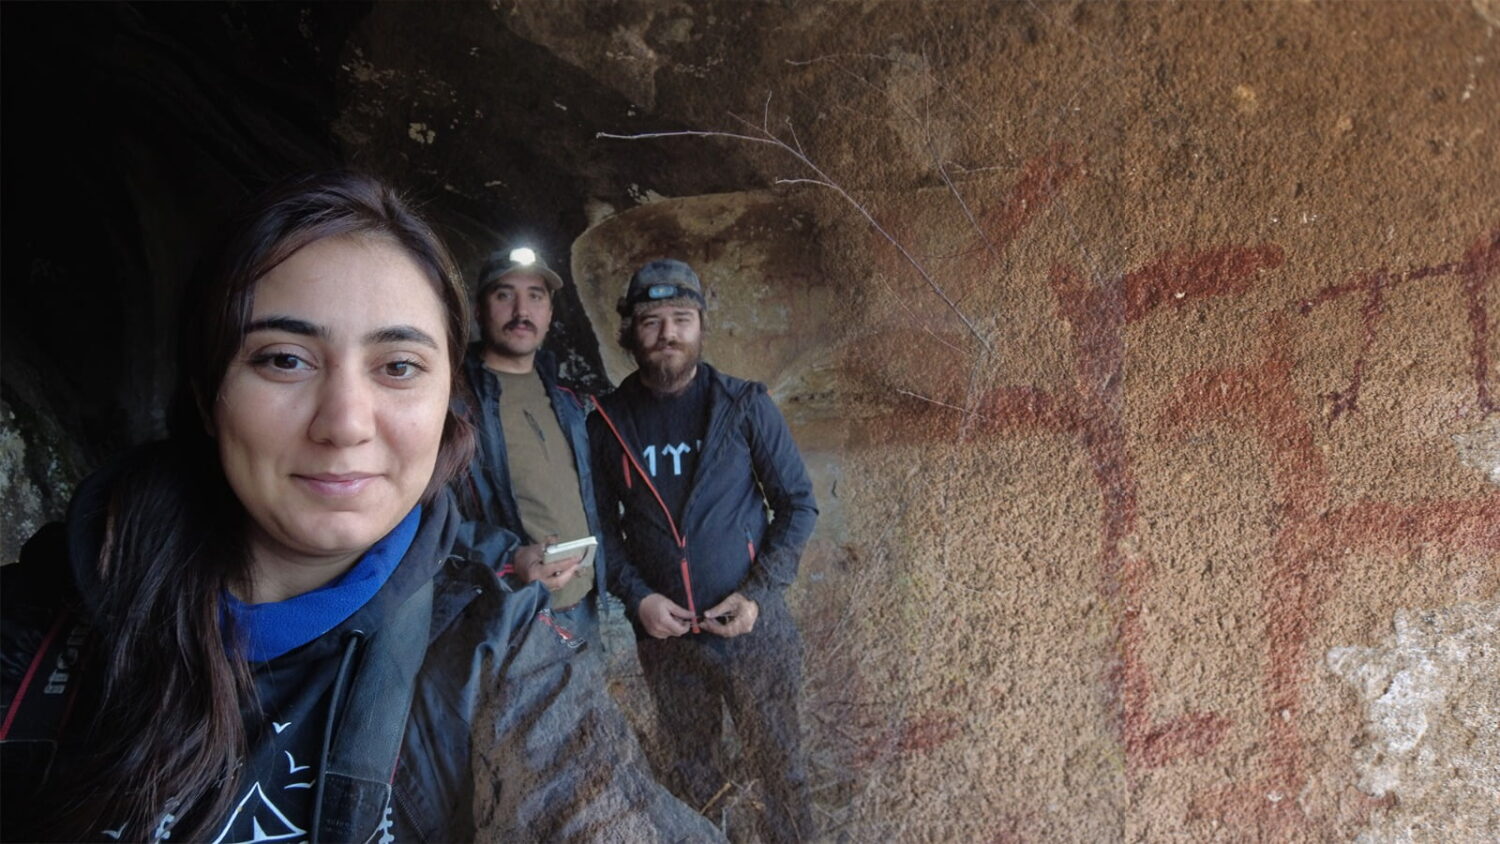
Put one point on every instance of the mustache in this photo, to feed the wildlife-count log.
(518, 322)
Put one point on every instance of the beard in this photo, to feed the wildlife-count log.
(665, 374)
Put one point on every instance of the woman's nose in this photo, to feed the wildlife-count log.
(345, 414)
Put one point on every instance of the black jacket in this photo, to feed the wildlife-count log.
(748, 470)
(486, 496)
(509, 735)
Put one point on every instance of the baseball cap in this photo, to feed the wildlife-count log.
(659, 281)
(511, 261)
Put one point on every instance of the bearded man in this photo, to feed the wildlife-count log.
(705, 506)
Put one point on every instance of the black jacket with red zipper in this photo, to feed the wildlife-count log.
(748, 470)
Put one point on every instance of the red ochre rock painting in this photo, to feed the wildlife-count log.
(915, 734)
(1310, 550)
(1478, 267)
(1097, 313)
(1178, 277)
(1307, 558)
(1091, 411)
(1042, 181)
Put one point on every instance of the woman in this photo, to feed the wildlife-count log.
(282, 646)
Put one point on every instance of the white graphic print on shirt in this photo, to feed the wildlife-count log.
(257, 819)
(650, 452)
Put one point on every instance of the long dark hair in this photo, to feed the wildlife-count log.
(170, 736)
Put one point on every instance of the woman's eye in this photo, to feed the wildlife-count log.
(402, 369)
(282, 361)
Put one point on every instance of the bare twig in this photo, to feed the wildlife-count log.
(925, 122)
(902, 303)
(929, 400)
(689, 133)
(825, 181)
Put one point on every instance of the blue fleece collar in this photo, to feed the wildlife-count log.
(270, 630)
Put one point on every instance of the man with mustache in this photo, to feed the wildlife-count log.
(705, 507)
(531, 471)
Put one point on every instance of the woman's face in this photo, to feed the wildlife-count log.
(329, 417)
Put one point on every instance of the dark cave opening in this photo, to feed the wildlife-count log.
(131, 129)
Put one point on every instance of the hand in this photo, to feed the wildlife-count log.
(529, 566)
(733, 616)
(663, 618)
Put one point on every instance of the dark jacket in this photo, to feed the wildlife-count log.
(749, 468)
(506, 737)
(486, 495)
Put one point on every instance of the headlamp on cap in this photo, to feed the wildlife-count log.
(657, 293)
(521, 259)
(660, 281)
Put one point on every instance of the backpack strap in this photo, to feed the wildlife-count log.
(355, 783)
(38, 711)
(37, 708)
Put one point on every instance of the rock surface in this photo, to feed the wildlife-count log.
(1431, 696)
(1146, 355)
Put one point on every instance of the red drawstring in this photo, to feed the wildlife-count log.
(687, 582)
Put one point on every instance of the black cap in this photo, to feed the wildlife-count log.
(660, 281)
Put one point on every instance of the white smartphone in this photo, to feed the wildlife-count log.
(578, 547)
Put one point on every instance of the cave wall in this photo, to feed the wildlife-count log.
(1145, 355)
(1148, 367)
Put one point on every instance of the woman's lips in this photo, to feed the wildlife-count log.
(336, 486)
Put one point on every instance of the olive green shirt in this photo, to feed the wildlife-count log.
(543, 473)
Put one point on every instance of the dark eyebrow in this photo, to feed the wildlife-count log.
(390, 334)
(400, 334)
(287, 324)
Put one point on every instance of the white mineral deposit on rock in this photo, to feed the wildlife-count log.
(1431, 700)
(420, 133)
(1480, 448)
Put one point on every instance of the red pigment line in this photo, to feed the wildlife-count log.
(1261, 398)
(1180, 276)
(1042, 179)
(1471, 524)
(915, 734)
(1363, 283)
(1481, 262)
(1096, 315)
(1027, 409)
(1347, 401)
(1041, 182)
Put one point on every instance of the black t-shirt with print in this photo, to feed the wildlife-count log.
(669, 432)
